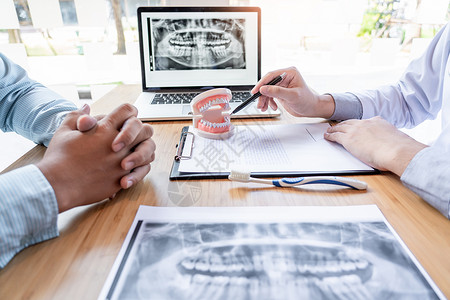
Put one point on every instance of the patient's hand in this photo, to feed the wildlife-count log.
(83, 168)
(132, 132)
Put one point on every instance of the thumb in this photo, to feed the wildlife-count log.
(71, 119)
(86, 123)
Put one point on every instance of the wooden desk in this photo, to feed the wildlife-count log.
(76, 264)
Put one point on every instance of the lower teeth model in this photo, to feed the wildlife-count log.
(210, 117)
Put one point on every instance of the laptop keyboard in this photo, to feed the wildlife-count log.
(185, 98)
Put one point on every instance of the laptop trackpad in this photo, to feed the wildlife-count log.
(186, 110)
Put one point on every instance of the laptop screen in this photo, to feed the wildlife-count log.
(199, 46)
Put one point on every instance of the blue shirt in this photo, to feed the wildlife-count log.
(420, 94)
(28, 207)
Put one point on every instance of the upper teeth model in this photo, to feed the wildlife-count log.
(210, 116)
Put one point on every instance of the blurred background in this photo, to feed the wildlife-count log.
(82, 49)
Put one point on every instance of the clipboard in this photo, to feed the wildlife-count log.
(175, 174)
(184, 150)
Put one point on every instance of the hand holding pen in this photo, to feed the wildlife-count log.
(257, 94)
(296, 97)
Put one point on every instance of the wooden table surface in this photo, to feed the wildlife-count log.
(76, 264)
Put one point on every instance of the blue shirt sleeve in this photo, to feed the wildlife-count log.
(27, 107)
(28, 206)
(28, 211)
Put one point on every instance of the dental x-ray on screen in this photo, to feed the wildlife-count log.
(192, 44)
(187, 50)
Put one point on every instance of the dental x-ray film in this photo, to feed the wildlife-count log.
(221, 256)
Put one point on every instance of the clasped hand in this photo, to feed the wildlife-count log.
(91, 158)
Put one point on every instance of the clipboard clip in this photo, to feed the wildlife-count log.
(181, 145)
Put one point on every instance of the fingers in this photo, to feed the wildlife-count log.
(131, 133)
(135, 176)
(117, 118)
(273, 105)
(99, 117)
(270, 92)
(340, 132)
(262, 102)
(274, 91)
(335, 137)
(138, 158)
(266, 79)
(142, 155)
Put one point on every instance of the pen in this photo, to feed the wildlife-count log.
(256, 95)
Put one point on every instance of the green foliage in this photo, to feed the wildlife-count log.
(377, 17)
(369, 23)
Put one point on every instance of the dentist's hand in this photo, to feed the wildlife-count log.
(376, 142)
(294, 95)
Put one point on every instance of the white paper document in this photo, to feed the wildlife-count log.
(285, 148)
(346, 252)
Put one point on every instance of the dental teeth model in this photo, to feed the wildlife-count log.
(211, 118)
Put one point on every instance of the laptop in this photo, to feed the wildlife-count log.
(188, 50)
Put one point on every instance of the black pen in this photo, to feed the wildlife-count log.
(256, 95)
